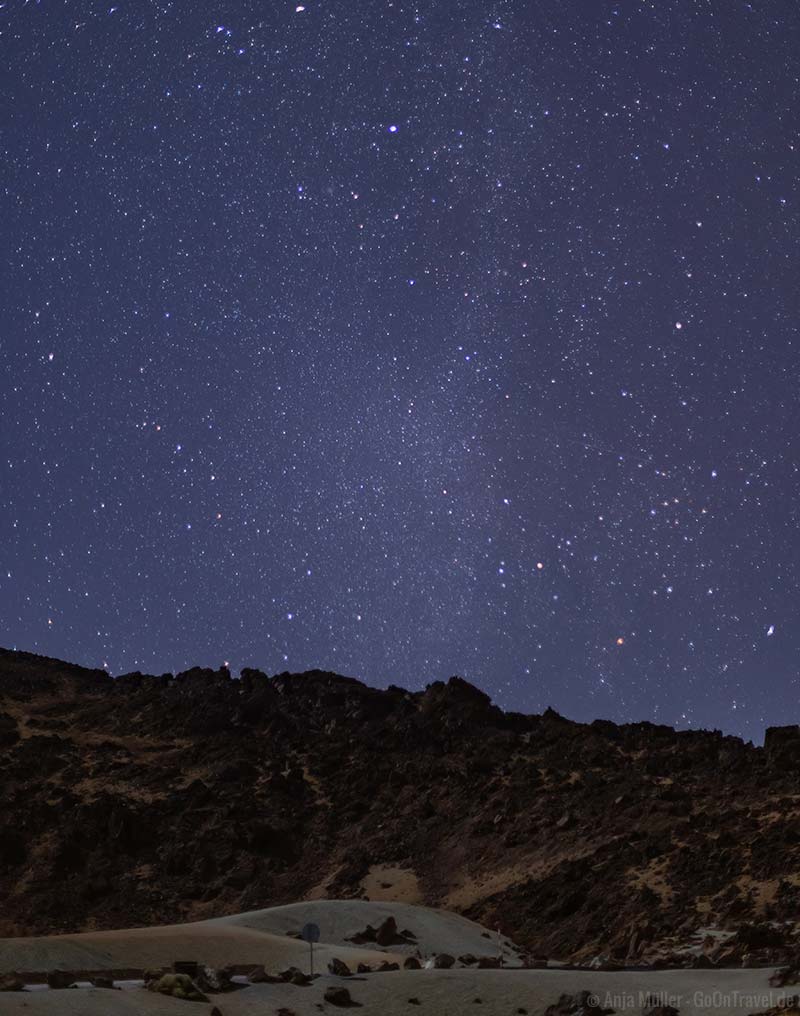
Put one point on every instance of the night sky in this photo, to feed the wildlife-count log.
(406, 340)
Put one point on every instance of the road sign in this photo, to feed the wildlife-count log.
(310, 934)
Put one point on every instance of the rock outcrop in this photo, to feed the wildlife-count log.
(149, 799)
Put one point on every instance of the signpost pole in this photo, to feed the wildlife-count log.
(310, 934)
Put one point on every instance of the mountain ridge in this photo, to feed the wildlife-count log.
(143, 799)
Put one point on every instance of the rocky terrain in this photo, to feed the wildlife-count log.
(142, 800)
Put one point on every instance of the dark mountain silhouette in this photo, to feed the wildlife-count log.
(141, 800)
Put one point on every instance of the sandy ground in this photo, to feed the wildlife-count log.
(264, 936)
(435, 931)
(439, 992)
(211, 943)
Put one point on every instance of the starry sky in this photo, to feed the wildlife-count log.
(408, 339)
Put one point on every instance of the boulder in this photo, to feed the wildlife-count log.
(177, 986)
(188, 967)
(411, 963)
(11, 982)
(60, 979)
(443, 961)
(292, 975)
(215, 981)
(386, 933)
(785, 975)
(102, 982)
(467, 960)
(339, 968)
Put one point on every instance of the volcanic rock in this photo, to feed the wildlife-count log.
(11, 982)
(177, 986)
(339, 996)
(584, 1003)
(57, 979)
(293, 975)
(130, 800)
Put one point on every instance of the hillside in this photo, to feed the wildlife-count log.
(152, 800)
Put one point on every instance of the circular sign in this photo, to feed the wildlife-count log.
(310, 933)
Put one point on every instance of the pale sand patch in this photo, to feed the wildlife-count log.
(385, 882)
(653, 877)
(318, 891)
(434, 930)
(214, 943)
(469, 890)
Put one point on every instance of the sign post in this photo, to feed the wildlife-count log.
(310, 934)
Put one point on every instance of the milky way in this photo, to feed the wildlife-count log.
(405, 340)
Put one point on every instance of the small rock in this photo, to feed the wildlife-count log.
(102, 982)
(386, 966)
(339, 996)
(414, 1001)
(467, 959)
(661, 1011)
(411, 963)
(363, 968)
(584, 1003)
(339, 968)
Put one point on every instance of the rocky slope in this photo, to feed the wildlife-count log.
(142, 800)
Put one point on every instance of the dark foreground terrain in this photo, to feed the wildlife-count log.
(146, 800)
